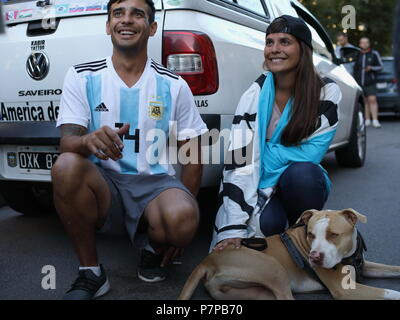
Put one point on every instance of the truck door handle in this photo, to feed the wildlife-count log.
(42, 3)
(38, 28)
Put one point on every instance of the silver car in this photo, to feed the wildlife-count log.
(219, 42)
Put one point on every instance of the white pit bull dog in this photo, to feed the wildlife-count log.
(321, 247)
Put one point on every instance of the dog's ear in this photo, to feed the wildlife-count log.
(353, 216)
(306, 216)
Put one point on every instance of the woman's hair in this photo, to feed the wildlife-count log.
(307, 93)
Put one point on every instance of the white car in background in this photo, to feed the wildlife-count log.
(216, 45)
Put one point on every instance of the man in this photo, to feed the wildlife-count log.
(103, 179)
(365, 68)
(343, 42)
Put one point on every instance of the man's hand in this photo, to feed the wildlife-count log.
(169, 254)
(224, 243)
(368, 68)
(105, 142)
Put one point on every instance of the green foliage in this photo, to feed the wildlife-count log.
(374, 19)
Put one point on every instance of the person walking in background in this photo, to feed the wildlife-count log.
(365, 68)
(343, 42)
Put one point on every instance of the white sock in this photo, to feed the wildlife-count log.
(96, 270)
(148, 247)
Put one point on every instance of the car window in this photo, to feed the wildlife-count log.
(322, 43)
(318, 44)
(252, 5)
(388, 68)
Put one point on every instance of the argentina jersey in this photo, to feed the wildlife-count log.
(158, 105)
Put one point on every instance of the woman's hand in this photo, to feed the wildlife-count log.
(224, 243)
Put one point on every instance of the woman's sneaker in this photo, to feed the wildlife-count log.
(376, 124)
(149, 268)
(88, 286)
(367, 123)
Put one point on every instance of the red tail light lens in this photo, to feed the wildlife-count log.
(192, 55)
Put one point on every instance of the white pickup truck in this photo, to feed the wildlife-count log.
(43, 39)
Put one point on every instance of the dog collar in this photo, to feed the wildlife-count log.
(357, 259)
(298, 257)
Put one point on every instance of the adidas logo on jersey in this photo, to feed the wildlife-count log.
(101, 108)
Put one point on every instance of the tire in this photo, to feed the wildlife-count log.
(353, 155)
(31, 199)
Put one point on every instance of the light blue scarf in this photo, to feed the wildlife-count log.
(275, 157)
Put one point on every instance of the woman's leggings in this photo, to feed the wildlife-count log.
(301, 187)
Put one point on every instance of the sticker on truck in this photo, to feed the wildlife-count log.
(29, 111)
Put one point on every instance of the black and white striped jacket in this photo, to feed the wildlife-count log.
(238, 213)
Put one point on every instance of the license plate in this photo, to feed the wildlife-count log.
(37, 159)
(381, 85)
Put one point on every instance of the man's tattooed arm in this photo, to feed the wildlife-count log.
(71, 139)
(72, 130)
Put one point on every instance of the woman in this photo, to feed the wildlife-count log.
(291, 114)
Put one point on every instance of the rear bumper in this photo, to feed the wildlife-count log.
(29, 133)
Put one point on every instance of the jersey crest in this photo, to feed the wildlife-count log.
(156, 110)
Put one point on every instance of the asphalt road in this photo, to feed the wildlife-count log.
(27, 244)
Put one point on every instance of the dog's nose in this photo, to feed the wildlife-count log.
(317, 257)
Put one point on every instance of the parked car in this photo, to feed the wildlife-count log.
(387, 95)
(44, 38)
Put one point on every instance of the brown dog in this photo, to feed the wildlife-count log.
(325, 240)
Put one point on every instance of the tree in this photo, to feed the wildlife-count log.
(374, 19)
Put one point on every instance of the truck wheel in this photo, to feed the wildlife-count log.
(28, 198)
(353, 155)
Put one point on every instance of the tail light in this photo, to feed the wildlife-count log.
(394, 81)
(191, 55)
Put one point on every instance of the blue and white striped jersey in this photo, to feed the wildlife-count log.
(158, 106)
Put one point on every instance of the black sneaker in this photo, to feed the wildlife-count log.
(88, 286)
(150, 269)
